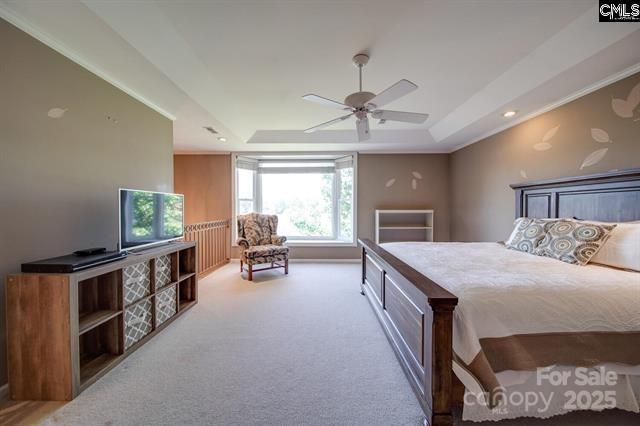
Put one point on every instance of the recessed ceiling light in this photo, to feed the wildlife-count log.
(222, 139)
(509, 114)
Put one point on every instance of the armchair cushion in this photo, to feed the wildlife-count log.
(254, 252)
(264, 254)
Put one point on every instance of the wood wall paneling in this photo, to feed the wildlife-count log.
(205, 181)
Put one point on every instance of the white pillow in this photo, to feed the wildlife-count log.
(622, 249)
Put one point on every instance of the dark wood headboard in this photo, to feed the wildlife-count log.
(607, 197)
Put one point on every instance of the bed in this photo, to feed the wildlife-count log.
(488, 312)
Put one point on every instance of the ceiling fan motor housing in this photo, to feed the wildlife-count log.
(359, 99)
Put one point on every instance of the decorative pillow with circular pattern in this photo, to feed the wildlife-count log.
(573, 241)
(527, 234)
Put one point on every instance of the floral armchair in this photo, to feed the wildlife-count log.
(260, 244)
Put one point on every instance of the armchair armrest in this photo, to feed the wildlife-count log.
(243, 242)
(278, 240)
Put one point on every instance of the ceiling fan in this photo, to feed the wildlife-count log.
(361, 104)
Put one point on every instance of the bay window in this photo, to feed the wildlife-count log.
(313, 196)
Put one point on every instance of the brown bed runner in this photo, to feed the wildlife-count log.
(528, 352)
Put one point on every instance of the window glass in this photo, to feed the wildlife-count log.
(245, 184)
(245, 206)
(302, 201)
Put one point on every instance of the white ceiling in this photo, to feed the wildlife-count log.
(242, 66)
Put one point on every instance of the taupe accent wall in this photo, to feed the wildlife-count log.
(375, 171)
(595, 133)
(59, 176)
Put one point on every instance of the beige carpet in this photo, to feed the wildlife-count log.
(300, 349)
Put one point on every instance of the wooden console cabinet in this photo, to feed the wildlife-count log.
(65, 331)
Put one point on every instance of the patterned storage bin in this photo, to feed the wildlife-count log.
(165, 305)
(137, 322)
(137, 282)
(163, 271)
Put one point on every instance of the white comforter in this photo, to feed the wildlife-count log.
(504, 292)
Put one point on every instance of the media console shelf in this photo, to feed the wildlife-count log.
(65, 331)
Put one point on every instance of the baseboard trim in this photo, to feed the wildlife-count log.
(4, 392)
(314, 260)
(324, 260)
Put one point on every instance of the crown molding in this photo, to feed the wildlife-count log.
(572, 97)
(48, 40)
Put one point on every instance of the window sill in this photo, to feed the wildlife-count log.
(316, 243)
(320, 243)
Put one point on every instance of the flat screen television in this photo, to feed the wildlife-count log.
(148, 218)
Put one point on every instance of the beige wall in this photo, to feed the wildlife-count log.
(432, 191)
(205, 180)
(482, 202)
(59, 177)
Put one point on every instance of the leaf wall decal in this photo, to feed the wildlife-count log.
(414, 184)
(523, 174)
(622, 108)
(416, 175)
(550, 133)
(600, 135)
(542, 146)
(634, 96)
(390, 183)
(56, 112)
(594, 158)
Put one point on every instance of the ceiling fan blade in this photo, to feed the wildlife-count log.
(362, 125)
(328, 123)
(326, 102)
(406, 117)
(394, 92)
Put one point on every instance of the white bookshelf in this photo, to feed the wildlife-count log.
(404, 225)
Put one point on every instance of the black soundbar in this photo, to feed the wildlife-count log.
(71, 262)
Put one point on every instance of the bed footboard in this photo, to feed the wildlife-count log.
(417, 317)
